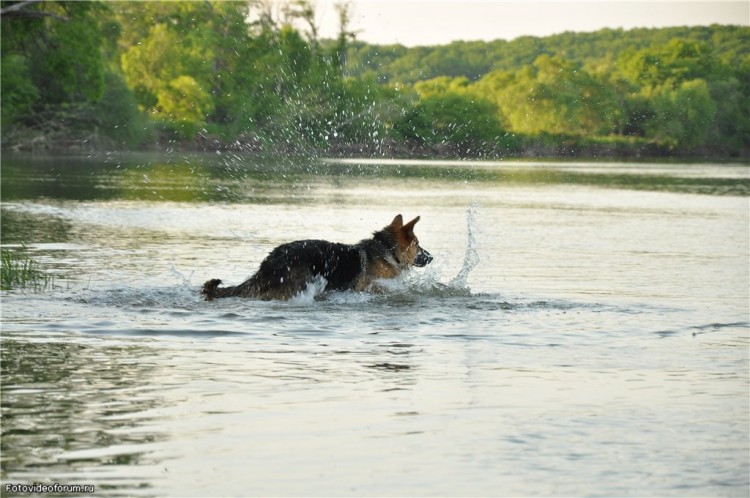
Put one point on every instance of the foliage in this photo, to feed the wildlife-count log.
(683, 116)
(18, 90)
(553, 96)
(117, 113)
(54, 76)
(255, 75)
(452, 120)
(64, 68)
(396, 63)
(170, 68)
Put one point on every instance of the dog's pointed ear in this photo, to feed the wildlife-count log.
(398, 221)
(409, 227)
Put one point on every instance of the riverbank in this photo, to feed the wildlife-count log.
(547, 146)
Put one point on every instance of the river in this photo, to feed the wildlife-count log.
(583, 329)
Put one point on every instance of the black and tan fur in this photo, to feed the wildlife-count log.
(289, 268)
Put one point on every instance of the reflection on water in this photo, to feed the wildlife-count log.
(232, 178)
(68, 407)
(21, 226)
(583, 330)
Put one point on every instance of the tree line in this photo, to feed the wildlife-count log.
(255, 76)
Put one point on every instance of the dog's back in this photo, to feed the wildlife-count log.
(288, 269)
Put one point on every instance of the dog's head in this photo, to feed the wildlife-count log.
(407, 249)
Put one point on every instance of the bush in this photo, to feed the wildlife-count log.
(459, 121)
(18, 91)
(120, 118)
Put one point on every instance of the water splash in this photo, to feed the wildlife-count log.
(471, 257)
(427, 283)
(307, 297)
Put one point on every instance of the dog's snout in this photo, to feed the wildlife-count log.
(423, 258)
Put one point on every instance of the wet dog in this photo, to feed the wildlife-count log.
(289, 268)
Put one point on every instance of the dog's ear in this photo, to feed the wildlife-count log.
(409, 227)
(398, 221)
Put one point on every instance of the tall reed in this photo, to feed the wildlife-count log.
(20, 271)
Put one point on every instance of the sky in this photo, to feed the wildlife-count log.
(436, 22)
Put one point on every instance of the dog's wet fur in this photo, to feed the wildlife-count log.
(289, 268)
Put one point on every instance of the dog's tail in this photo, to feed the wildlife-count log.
(248, 288)
(211, 290)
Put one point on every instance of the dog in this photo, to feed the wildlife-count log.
(289, 268)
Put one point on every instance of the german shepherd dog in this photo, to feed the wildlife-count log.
(289, 268)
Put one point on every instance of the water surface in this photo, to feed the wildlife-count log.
(583, 330)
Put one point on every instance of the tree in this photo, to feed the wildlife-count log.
(173, 52)
(185, 102)
(344, 11)
(304, 10)
(679, 86)
(458, 121)
(58, 45)
(670, 64)
(684, 116)
(553, 96)
(19, 93)
(442, 84)
(732, 124)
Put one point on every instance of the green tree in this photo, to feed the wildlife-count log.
(19, 93)
(206, 67)
(185, 102)
(57, 82)
(689, 96)
(118, 114)
(457, 121)
(552, 96)
(442, 84)
(684, 116)
(670, 64)
(166, 73)
(55, 48)
(66, 67)
(732, 124)
(175, 52)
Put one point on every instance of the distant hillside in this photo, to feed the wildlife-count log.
(396, 63)
(80, 75)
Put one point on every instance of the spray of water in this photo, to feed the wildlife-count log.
(471, 257)
(307, 296)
